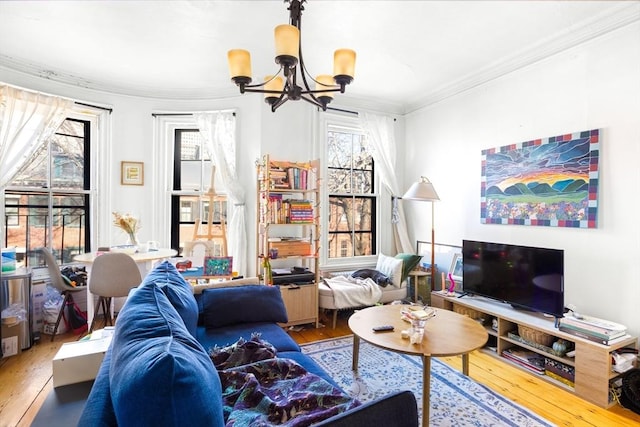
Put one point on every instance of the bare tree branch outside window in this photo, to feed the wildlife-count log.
(350, 175)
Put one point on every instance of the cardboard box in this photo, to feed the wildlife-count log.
(79, 361)
(11, 340)
(291, 248)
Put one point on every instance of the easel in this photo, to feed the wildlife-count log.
(210, 234)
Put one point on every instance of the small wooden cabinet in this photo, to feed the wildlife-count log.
(593, 373)
(301, 303)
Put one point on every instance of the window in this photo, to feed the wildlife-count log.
(48, 201)
(191, 181)
(351, 222)
(11, 211)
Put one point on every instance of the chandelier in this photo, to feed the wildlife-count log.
(292, 81)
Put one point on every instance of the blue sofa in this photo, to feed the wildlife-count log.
(158, 369)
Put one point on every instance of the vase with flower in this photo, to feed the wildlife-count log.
(129, 224)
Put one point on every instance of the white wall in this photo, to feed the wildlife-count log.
(595, 85)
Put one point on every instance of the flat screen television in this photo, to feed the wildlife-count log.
(526, 277)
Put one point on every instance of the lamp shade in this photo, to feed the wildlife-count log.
(273, 83)
(239, 63)
(344, 62)
(325, 81)
(287, 42)
(422, 190)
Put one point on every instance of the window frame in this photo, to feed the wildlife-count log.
(52, 193)
(327, 122)
(177, 193)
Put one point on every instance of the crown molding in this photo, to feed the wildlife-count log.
(626, 13)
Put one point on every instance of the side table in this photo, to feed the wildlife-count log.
(415, 276)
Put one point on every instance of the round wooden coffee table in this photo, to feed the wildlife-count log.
(446, 334)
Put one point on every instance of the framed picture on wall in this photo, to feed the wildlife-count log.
(131, 173)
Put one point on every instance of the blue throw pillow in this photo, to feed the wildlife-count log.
(159, 373)
(166, 277)
(242, 304)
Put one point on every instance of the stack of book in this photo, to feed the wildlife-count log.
(525, 358)
(300, 212)
(287, 178)
(593, 329)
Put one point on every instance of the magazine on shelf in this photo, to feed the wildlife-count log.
(527, 366)
(593, 338)
(526, 358)
(593, 323)
(610, 336)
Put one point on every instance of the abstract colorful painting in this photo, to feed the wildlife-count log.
(546, 182)
(218, 266)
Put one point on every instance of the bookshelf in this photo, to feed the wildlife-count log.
(591, 366)
(288, 231)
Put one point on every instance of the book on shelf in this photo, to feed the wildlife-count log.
(532, 361)
(597, 334)
(526, 358)
(593, 323)
(591, 337)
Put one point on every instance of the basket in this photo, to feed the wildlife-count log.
(533, 335)
(466, 311)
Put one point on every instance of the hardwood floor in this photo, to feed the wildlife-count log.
(25, 381)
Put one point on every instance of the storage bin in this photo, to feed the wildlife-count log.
(535, 336)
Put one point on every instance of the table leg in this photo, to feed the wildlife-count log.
(426, 388)
(465, 364)
(356, 353)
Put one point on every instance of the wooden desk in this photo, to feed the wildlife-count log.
(446, 334)
(138, 257)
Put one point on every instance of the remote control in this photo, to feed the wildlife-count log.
(383, 328)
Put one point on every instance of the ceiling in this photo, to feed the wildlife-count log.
(409, 53)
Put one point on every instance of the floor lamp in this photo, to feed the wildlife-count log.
(424, 191)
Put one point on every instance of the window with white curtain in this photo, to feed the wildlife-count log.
(50, 198)
(192, 168)
(350, 223)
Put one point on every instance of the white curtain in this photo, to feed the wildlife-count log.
(27, 120)
(380, 135)
(219, 132)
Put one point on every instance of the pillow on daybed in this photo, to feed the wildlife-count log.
(369, 273)
(242, 304)
(409, 262)
(391, 267)
(159, 373)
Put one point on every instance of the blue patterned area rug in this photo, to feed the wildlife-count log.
(456, 400)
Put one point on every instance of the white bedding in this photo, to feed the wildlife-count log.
(351, 292)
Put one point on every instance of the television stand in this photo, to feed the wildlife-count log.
(588, 375)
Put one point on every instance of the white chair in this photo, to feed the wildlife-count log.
(113, 275)
(58, 282)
